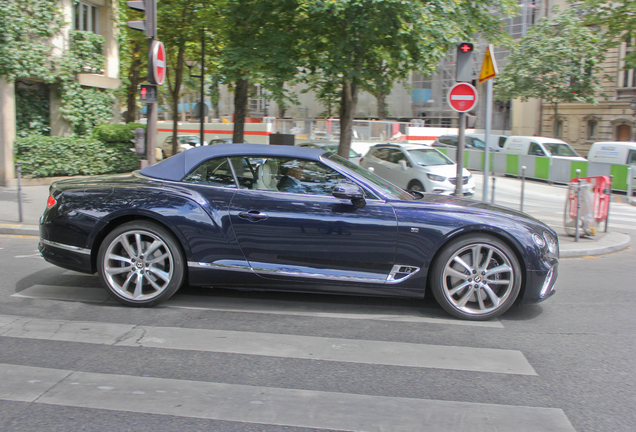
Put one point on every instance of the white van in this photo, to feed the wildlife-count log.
(613, 152)
(540, 146)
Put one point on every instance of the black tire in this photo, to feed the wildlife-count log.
(141, 264)
(416, 185)
(475, 289)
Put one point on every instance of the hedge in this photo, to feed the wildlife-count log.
(116, 133)
(42, 156)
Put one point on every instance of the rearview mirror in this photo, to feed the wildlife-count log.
(403, 164)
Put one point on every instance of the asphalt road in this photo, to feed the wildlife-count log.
(71, 359)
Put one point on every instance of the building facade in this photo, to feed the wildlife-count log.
(95, 16)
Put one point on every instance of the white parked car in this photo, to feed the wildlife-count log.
(417, 167)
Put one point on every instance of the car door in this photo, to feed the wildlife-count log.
(309, 234)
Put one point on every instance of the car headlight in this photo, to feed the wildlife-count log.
(538, 240)
(436, 178)
(551, 242)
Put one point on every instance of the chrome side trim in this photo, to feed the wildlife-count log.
(400, 273)
(65, 247)
(231, 265)
(315, 273)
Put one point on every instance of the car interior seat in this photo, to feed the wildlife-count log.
(267, 176)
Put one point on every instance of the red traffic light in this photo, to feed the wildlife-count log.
(465, 47)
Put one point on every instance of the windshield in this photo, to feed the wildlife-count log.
(426, 157)
(560, 149)
(476, 142)
(386, 187)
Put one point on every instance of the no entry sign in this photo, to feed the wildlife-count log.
(462, 97)
(158, 63)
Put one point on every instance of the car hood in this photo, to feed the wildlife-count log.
(449, 171)
(468, 205)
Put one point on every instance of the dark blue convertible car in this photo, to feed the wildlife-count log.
(297, 219)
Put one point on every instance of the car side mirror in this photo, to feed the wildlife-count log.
(404, 164)
(192, 143)
(351, 192)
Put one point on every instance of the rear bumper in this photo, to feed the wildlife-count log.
(65, 256)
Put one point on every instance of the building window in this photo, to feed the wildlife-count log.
(559, 129)
(592, 126)
(626, 77)
(86, 17)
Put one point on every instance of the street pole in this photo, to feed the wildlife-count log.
(460, 155)
(487, 138)
(202, 113)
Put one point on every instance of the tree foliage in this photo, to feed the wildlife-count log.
(558, 61)
(369, 44)
(617, 18)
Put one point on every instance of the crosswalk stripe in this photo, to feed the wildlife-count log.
(273, 345)
(412, 315)
(265, 405)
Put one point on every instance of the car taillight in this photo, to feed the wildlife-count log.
(51, 202)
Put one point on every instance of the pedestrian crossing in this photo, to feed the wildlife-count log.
(125, 388)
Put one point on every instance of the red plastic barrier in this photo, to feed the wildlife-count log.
(601, 196)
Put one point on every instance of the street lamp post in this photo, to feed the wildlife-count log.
(191, 64)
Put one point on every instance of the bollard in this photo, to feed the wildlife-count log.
(609, 203)
(523, 184)
(630, 183)
(578, 209)
(19, 173)
(492, 194)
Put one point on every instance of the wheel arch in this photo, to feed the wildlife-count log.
(501, 235)
(118, 220)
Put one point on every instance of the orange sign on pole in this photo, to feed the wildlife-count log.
(489, 68)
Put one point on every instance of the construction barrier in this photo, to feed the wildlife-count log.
(552, 169)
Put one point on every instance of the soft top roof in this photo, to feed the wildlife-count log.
(176, 167)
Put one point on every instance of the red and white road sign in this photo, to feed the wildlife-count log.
(158, 62)
(462, 97)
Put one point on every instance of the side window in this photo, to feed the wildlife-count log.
(535, 150)
(502, 141)
(397, 156)
(631, 157)
(213, 172)
(382, 153)
(308, 177)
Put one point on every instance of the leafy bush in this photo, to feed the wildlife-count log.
(116, 133)
(66, 156)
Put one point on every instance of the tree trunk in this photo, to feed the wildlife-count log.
(240, 109)
(348, 103)
(382, 109)
(174, 93)
(134, 79)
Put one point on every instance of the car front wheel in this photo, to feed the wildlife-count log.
(141, 264)
(416, 186)
(476, 277)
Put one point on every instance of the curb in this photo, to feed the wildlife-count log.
(622, 242)
(18, 229)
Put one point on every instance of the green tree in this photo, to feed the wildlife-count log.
(260, 45)
(369, 44)
(179, 23)
(617, 19)
(558, 61)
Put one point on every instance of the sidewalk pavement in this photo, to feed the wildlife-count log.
(34, 202)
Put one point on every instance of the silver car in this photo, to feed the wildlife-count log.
(417, 167)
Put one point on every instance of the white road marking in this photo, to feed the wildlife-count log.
(358, 312)
(265, 405)
(273, 345)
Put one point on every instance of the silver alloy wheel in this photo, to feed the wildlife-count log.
(478, 279)
(138, 265)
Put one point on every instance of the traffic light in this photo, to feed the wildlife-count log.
(149, 25)
(464, 71)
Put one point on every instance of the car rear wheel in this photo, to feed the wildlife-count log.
(416, 186)
(141, 264)
(476, 277)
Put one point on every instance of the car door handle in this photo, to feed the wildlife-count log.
(252, 215)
